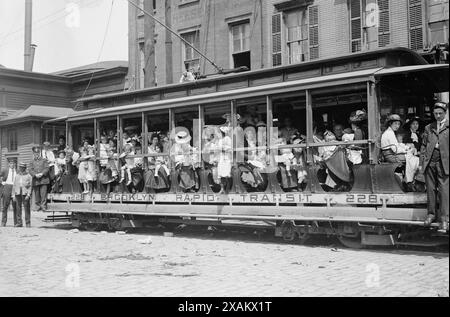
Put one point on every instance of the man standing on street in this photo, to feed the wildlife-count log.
(7, 177)
(39, 170)
(21, 195)
(435, 166)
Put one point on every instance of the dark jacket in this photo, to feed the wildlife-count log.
(39, 166)
(429, 139)
(408, 140)
(4, 174)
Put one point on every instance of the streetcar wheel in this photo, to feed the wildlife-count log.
(303, 237)
(351, 243)
(288, 231)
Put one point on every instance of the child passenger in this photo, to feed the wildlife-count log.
(129, 164)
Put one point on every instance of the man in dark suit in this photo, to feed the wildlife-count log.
(39, 170)
(7, 177)
(435, 165)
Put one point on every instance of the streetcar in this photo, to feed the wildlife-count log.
(257, 185)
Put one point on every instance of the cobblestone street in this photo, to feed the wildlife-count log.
(52, 260)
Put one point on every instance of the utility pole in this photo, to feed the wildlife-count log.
(169, 62)
(149, 34)
(28, 32)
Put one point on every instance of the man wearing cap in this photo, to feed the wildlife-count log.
(21, 194)
(435, 165)
(39, 170)
(7, 177)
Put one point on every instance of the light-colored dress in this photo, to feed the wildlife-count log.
(225, 157)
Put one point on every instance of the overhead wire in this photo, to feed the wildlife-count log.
(38, 21)
(101, 48)
(219, 69)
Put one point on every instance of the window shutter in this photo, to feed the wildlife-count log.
(415, 25)
(355, 25)
(313, 32)
(384, 36)
(276, 40)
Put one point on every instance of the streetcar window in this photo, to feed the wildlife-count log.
(132, 132)
(108, 131)
(187, 118)
(217, 152)
(156, 176)
(81, 133)
(339, 115)
(253, 160)
(289, 128)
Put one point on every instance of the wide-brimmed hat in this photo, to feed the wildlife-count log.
(441, 105)
(237, 117)
(358, 116)
(411, 120)
(10, 159)
(46, 143)
(23, 164)
(261, 124)
(182, 137)
(394, 117)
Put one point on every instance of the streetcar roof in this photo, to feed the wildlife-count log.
(302, 84)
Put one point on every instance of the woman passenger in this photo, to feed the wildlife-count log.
(225, 159)
(398, 152)
(157, 175)
(413, 135)
(181, 153)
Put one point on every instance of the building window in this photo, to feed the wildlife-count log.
(384, 36)
(297, 36)
(415, 25)
(240, 38)
(277, 53)
(12, 140)
(355, 26)
(52, 134)
(191, 59)
(313, 32)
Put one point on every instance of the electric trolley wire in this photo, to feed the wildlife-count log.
(101, 48)
(38, 21)
(219, 69)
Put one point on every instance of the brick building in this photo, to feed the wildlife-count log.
(267, 33)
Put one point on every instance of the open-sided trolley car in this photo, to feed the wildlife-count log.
(372, 208)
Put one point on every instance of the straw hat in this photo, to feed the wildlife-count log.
(393, 117)
(441, 105)
(358, 116)
(182, 137)
(23, 164)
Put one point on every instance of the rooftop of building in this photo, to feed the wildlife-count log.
(36, 113)
(88, 69)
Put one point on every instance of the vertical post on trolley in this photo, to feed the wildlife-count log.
(309, 126)
(119, 135)
(69, 135)
(373, 121)
(310, 140)
(97, 149)
(144, 138)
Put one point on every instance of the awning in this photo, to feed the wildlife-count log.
(271, 89)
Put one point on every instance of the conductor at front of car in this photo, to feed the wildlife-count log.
(435, 165)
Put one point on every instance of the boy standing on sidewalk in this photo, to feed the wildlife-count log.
(21, 194)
